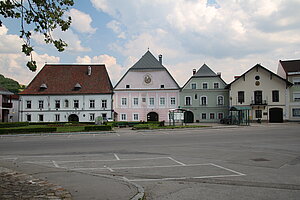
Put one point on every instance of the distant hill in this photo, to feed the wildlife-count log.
(9, 84)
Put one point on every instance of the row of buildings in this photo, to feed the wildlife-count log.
(148, 92)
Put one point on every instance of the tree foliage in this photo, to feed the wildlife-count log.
(9, 84)
(43, 15)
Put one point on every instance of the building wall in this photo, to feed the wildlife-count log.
(49, 111)
(138, 88)
(211, 95)
(292, 103)
(13, 115)
(1, 107)
(267, 83)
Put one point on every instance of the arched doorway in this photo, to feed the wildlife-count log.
(276, 115)
(188, 117)
(73, 118)
(152, 116)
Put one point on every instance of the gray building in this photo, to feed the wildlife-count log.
(204, 96)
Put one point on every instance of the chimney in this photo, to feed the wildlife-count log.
(89, 72)
(219, 74)
(160, 58)
(194, 71)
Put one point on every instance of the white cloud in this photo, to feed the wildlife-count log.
(114, 69)
(81, 21)
(116, 27)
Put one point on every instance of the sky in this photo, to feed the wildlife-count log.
(230, 36)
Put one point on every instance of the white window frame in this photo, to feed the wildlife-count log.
(121, 117)
(92, 117)
(75, 101)
(103, 103)
(135, 103)
(218, 100)
(151, 103)
(57, 102)
(206, 101)
(193, 83)
(28, 116)
(296, 81)
(218, 85)
(171, 101)
(124, 101)
(219, 115)
(205, 116)
(92, 103)
(41, 104)
(39, 117)
(203, 85)
(160, 101)
(297, 98)
(66, 103)
(214, 114)
(185, 101)
(28, 102)
(293, 112)
(57, 117)
(138, 117)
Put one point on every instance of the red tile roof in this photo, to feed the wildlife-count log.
(62, 78)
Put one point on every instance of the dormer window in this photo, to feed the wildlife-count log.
(43, 86)
(77, 86)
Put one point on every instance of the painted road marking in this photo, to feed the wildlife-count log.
(177, 161)
(116, 156)
(55, 164)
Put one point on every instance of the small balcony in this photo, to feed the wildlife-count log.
(258, 103)
(7, 105)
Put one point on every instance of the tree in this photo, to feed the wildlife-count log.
(9, 84)
(44, 15)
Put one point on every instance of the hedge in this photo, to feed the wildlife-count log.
(141, 126)
(13, 124)
(27, 130)
(98, 128)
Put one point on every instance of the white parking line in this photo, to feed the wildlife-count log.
(177, 161)
(116, 156)
(55, 164)
(182, 178)
(241, 174)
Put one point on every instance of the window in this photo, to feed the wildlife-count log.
(28, 104)
(28, 118)
(41, 118)
(220, 100)
(203, 115)
(104, 116)
(151, 101)
(144, 100)
(216, 85)
(124, 101)
(66, 103)
(92, 103)
(196, 96)
(187, 101)
(92, 116)
(193, 86)
(212, 116)
(203, 101)
(41, 104)
(76, 103)
(296, 96)
(296, 81)
(135, 101)
(123, 117)
(127, 86)
(135, 117)
(104, 103)
(258, 113)
(162, 86)
(275, 96)
(204, 86)
(241, 96)
(173, 101)
(57, 103)
(162, 101)
(296, 112)
(220, 115)
(57, 117)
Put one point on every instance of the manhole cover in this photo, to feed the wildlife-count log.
(260, 159)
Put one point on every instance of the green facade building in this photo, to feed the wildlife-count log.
(204, 97)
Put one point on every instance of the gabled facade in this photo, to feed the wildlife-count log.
(67, 92)
(263, 92)
(204, 97)
(146, 92)
(5, 104)
(290, 70)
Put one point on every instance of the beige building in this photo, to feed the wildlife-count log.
(290, 70)
(263, 92)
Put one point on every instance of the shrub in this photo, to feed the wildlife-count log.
(26, 130)
(141, 126)
(98, 128)
(13, 124)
